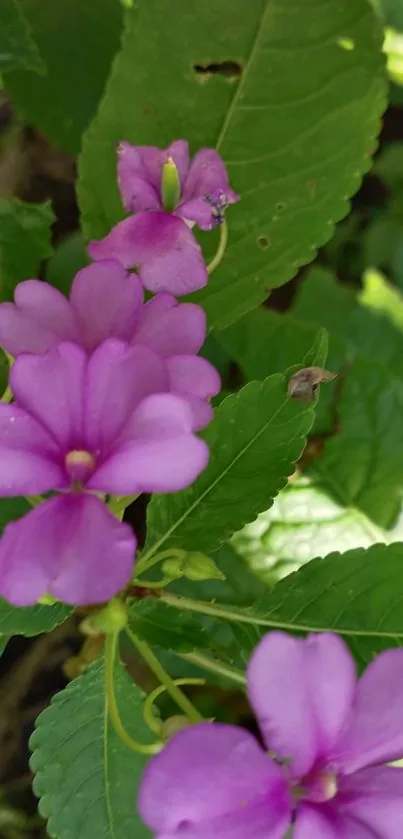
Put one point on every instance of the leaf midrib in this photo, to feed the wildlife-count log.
(214, 483)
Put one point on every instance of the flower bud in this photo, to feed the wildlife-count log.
(198, 566)
(170, 186)
(172, 568)
(173, 724)
(112, 618)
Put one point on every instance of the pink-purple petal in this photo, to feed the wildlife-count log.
(70, 547)
(107, 302)
(314, 822)
(161, 246)
(119, 377)
(40, 317)
(171, 328)
(374, 798)
(159, 454)
(375, 730)
(210, 778)
(194, 375)
(29, 457)
(139, 177)
(301, 691)
(51, 388)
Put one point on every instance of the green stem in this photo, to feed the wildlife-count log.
(164, 581)
(111, 642)
(7, 395)
(214, 666)
(181, 700)
(222, 245)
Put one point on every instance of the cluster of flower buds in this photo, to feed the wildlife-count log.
(108, 390)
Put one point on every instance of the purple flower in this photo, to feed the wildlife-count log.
(168, 194)
(331, 735)
(107, 302)
(85, 426)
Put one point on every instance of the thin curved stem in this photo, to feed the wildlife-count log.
(148, 707)
(164, 581)
(181, 700)
(222, 245)
(112, 707)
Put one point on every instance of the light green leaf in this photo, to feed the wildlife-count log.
(305, 522)
(86, 778)
(31, 620)
(256, 437)
(380, 296)
(78, 41)
(296, 124)
(24, 242)
(17, 48)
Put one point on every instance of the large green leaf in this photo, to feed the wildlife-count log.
(31, 620)
(254, 440)
(24, 242)
(86, 777)
(77, 41)
(17, 48)
(357, 594)
(296, 128)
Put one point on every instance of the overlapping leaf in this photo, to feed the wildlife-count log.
(17, 48)
(24, 242)
(77, 41)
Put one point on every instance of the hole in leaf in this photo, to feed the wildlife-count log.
(263, 242)
(230, 69)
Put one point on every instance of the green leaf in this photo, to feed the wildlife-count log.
(24, 242)
(256, 437)
(78, 42)
(17, 48)
(86, 777)
(296, 125)
(356, 594)
(150, 620)
(323, 301)
(31, 620)
(69, 258)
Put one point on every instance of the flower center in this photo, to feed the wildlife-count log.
(170, 186)
(79, 464)
(322, 786)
